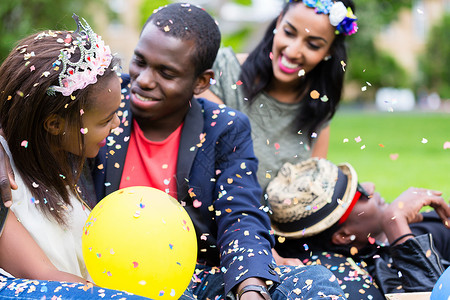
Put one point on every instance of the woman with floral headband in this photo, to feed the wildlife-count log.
(290, 86)
(58, 101)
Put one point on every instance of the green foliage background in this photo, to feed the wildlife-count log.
(19, 18)
(396, 151)
(435, 62)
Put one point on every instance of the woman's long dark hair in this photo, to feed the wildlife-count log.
(327, 77)
(25, 76)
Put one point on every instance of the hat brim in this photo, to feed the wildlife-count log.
(335, 215)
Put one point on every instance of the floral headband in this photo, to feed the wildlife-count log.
(93, 60)
(340, 16)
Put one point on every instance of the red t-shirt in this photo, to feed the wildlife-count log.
(151, 163)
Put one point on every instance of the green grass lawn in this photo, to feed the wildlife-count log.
(396, 151)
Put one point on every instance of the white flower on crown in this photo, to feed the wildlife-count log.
(338, 12)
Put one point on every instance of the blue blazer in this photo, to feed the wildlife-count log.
(217, 169)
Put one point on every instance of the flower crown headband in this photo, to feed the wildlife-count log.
(340, 16)
(93, 60)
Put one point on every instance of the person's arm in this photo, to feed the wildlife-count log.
(243, 227)
(7, 180)
(406, 210)
(21, 256)
(320, 148)
(210, 96)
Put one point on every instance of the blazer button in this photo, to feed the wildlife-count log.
(272, 266)
(272, 272)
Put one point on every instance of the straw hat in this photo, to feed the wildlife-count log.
(309, 197)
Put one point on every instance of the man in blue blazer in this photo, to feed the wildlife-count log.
(202, 154)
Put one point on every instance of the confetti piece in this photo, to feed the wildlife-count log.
(345, 140)
(393, 156)
(358, 139)
(314, 94)
(324, 98)
(353, 251)
(343, 64)
(446, 145)
(424, 141)
(35, 185)
(81, 112)
(371, 240)
(166, 28)
(364, 88)
(381, 145)
(239, 82)
(301, 73)
(24, 143)
(84, 130)
(277, 146)
(271, 56)
(197, 203)
(281, 239)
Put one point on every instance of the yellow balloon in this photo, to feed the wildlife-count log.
(140, 240)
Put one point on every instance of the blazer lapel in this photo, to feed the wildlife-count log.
(190, 137)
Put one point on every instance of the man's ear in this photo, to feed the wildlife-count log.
(54, 124)
(342, 237)
(203, 81)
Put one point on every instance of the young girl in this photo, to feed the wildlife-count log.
(291, 83)
(58, 99)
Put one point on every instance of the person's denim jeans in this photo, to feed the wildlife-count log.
(25, 289)
(304, 282)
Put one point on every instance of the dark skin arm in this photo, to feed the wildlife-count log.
(405, 210)
(7, 181)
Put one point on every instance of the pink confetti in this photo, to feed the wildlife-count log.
(213, 124)
(358, 139)
(277, 146)
(24, 143)
(135, 264)
(393, 156)
(197, 203)
(371, 240)
(446, 145)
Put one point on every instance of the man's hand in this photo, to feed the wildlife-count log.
(7, 180)
(285, 261)
(406, 210)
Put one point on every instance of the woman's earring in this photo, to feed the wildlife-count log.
(274, 31)
(352, 237)
(327, 58)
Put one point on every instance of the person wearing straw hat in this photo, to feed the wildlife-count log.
(319, 206)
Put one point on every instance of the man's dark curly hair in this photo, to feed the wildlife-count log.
(189, 22)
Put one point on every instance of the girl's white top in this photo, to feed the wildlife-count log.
(61, 244)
